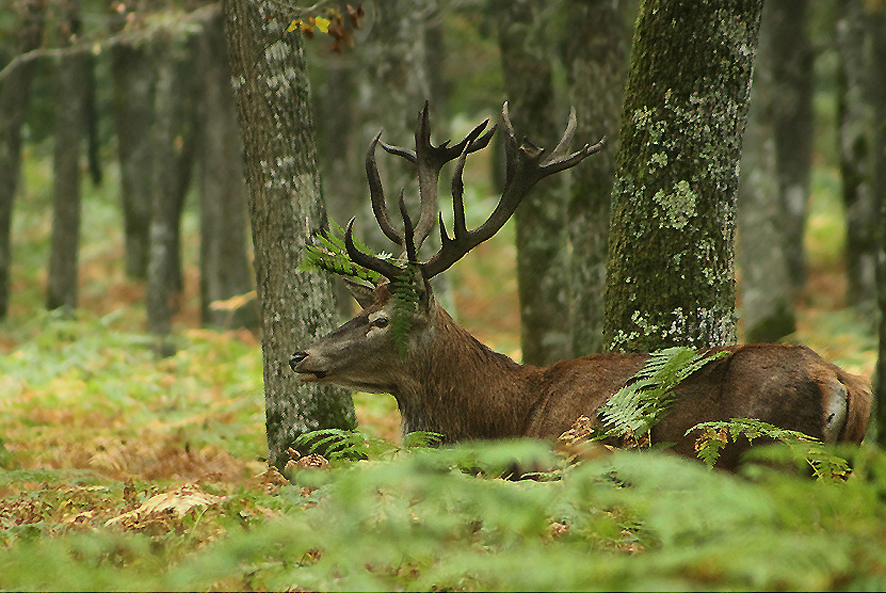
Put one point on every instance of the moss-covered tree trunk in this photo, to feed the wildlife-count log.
(597, 47)
(14, 96)
(670, 278)
(542, 259)
(286, 207)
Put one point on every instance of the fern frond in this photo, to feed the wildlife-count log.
(715, 435)
(639, 405)
(338, 445)
(330, 254)
(405, 289)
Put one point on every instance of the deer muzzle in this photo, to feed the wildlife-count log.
(296, 363)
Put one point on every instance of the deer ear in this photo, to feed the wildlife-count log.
(361, 293)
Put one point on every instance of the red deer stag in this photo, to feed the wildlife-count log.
(445, 381)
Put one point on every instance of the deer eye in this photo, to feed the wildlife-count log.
(380, 322)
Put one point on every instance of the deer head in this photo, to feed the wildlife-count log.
(394, 344)
(403, 297)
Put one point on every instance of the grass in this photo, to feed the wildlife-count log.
(119, 470)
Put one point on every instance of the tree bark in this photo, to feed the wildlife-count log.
(878, 26)
(596, 57)
(224, 266)
(793, 120)
(286, 208)
(173, 149)
(775, 174)
(14, 96)
(860, 78)
(767, 290)
(396, 81)
(72, 76)
(133, 78)
(542, 260)
(670, 279)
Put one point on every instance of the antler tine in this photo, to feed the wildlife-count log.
(377, 195)
(429, 160)
(524, 170)
(560, 159)
(385, 268)
(409, 233)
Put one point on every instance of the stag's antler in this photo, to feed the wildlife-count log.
(526, 166)
(429, 160)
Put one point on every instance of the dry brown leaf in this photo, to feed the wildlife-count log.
(179, 501)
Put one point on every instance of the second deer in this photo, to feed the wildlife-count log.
(446, 381)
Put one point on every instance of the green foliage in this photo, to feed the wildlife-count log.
(338, 445)
(637, 406)
(405, 289)
(405, 517)
(715, 435)
(331, 255)
(417, 521)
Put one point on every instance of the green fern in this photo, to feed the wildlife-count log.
(331, 255)
(405, 289)
(716, 435)
(339, 445)
(638, 406)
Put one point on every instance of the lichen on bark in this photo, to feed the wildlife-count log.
(670, 277)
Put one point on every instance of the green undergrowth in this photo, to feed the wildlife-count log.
(443, 519)
(79, 391)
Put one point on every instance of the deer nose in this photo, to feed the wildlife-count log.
(297, 358)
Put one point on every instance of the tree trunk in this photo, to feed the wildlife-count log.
(14, 95)
(542, 260)
(286, 209)
(173, 148)
(767, 290)
(878, 26)
(72, 75)
(395, 84)
(775, 174)
(341, 154)
(134, 77)
(670, 279)
(793, 121)
(859, 78)
(224, 267)
(597, 64)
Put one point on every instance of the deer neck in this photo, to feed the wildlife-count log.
(456, 386)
